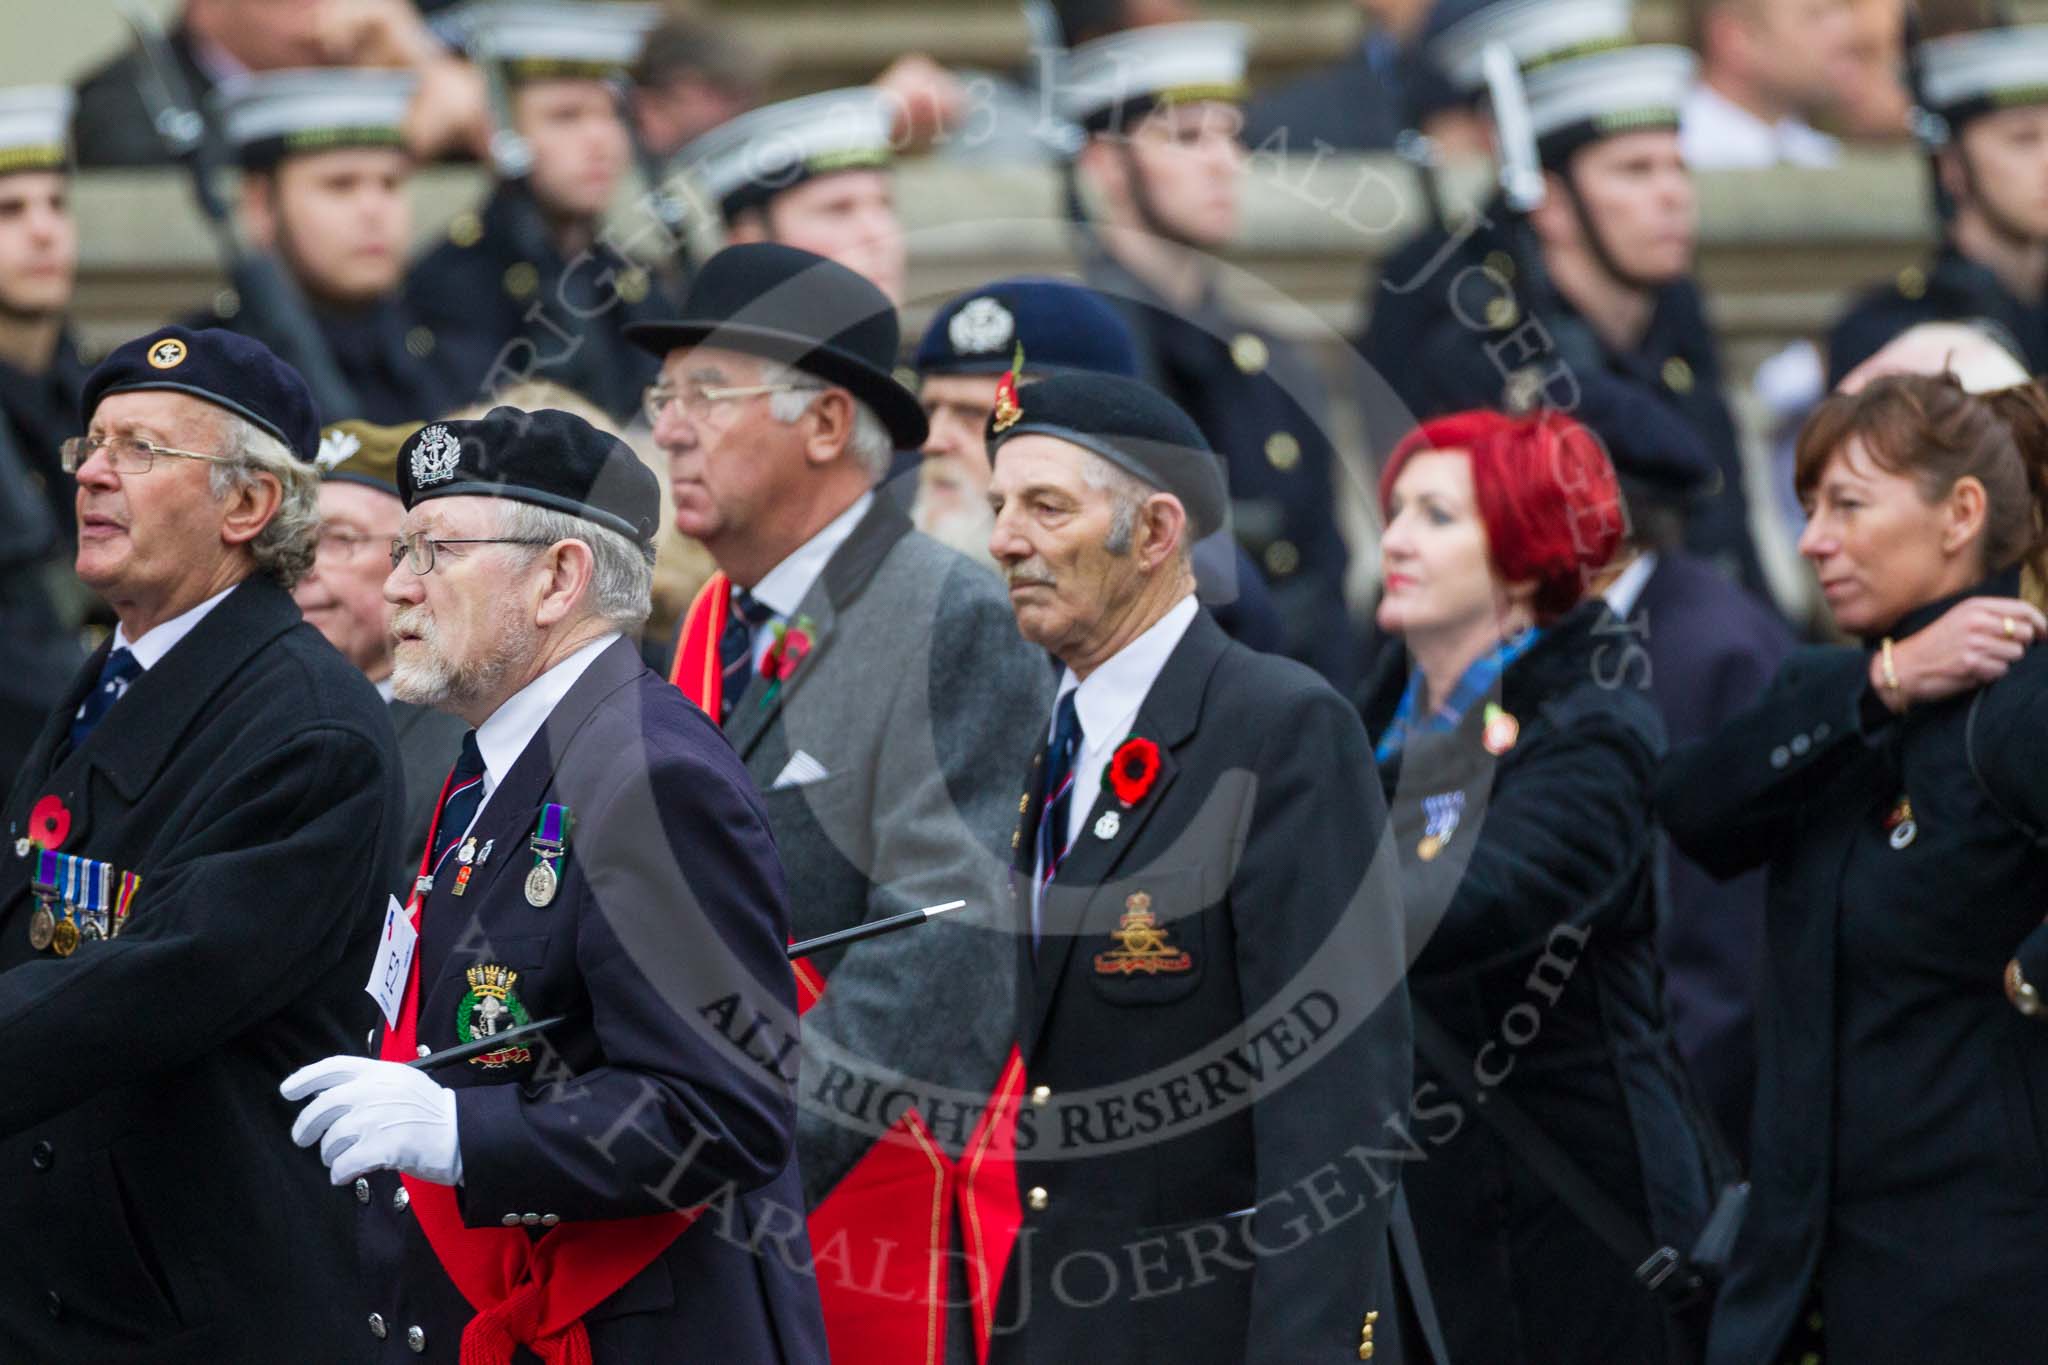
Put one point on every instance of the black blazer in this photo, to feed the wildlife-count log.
(158, 1210)
(1532, 926)
(1710, 647)
(1265, 1064)
(664, 947)
(1900, 1151)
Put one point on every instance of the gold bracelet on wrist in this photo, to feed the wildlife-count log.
(1889, 673)
(2021, 991)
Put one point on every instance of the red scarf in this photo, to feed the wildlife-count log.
(880, 1239)
(526, 1293)
(697, 672)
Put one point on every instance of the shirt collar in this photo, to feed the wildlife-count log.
(387, 688)
(161, 638)
(1108, 699)
(784, 587)
(1627, 588)
(509, 729)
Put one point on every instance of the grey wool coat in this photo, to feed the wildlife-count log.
(917, 705)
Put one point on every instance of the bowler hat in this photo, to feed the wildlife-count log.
(798, 308)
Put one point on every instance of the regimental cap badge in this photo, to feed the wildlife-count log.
(982, 326)
(167, 354)
(336, 446)
(1009, 407)
(434, 457)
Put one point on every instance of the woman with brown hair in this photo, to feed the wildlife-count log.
(1897, 793)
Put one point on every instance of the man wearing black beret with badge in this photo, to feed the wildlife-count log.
(876, 688)
(1213, 1018)
(196, 852)
(597, 855)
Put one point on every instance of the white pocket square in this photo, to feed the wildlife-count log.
(800, 771)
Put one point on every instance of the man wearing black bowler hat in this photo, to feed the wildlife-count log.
(597, 855)
(876, 688)
(1213, 1017)
(195, 854)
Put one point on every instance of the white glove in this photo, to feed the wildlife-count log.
(376, 1116)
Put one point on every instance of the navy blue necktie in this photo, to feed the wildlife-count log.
(459, 806)
(116, 673)
(1059, 787)
(736, 647)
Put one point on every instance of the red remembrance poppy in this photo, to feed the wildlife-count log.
(1133, 768)
(49, 823)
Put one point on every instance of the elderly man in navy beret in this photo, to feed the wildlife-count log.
(198, 843)
(1194, 879)
(598, 858)
(1057, 327)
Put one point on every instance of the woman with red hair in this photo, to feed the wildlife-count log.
(1559, 1146)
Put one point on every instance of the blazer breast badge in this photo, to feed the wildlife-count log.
(1144, 946)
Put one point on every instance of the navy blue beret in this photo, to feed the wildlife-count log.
(1130, 424)
(1065, 327)
(225, 369)
(547, 458)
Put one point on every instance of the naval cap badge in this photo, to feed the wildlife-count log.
(434, 456)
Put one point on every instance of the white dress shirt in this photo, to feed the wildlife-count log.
(1107, 703)
(509, 729)
(783, 588)
(162, 638)
(1717, 134)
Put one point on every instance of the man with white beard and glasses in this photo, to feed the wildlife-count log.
(598, 856)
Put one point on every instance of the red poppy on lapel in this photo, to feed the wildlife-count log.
(1133, 768)
(792, 645)
(49, 823)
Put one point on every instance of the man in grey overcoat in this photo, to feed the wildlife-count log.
(876, 687)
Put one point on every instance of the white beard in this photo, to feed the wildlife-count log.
(423, 674)
(965, 527)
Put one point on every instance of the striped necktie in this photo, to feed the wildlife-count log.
(1059, 788)
(459, 807)
(736, 647)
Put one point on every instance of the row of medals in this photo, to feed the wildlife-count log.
(61, 927)
(541, 882)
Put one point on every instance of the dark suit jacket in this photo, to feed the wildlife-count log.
(158, 1209)
(1901, 1138)
(429, 742)
(1264, 1065)
(662, 945)
(1711, 648)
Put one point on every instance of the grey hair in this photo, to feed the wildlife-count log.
(870, 444)
(284, 548)
(622, 574)
(1127, 494)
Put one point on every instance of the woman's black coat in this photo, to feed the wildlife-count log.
(1537, 921)
(1898, 1153)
